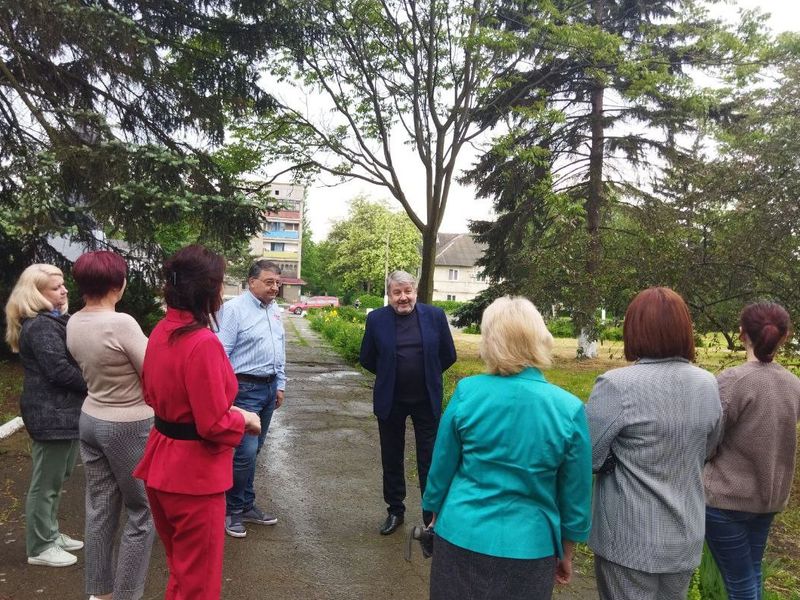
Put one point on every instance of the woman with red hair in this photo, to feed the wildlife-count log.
(749, 479)
(114, 425)
(188, 461)
(652, 424)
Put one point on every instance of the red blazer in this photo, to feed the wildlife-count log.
(190, 381)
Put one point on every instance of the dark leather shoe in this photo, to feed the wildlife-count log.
(391, 524)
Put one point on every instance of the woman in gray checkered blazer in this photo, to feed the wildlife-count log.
(652, 424)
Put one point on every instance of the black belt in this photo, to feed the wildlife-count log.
(256, 378)
(176, 431)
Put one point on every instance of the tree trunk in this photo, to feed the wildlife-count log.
(594, 201)
(425, 283)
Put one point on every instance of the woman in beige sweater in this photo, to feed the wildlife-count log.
(749, 478)
(114, 425)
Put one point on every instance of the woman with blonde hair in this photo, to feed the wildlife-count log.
(52, 393)
(510, 482)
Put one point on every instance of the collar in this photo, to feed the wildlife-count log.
(532, 373)
(646, 361)
(258, 302)
(179, 316)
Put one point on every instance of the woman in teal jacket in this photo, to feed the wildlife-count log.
(510, 482)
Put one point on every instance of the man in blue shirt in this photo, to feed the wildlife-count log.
(251, 330)
(408, 346)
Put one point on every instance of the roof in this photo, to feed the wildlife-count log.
(292, 281)
(458, 249)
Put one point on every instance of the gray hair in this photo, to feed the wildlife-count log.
(402, 278)
(262, 265)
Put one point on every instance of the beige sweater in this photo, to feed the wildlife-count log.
(109, 347)
(754, 464)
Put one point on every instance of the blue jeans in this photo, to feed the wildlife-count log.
(260, 399)
(737, 541)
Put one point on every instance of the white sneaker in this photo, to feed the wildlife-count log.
(65, 542)
(54, 556)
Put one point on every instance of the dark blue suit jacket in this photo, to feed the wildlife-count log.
(378, 354)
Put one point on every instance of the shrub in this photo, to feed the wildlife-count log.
(343, 334)
(369, 301)
(472, 328)
(448, 306)
(611, 332)
(561, 327)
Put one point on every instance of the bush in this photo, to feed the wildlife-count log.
(472, 328)
(561, 327)
(611, 332)
(369, 301)
(448, 306)
(343, 334)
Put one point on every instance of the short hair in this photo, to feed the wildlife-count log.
(401, 277)
(658, 325)
(262, 265)
(97, 273)
(26, 299)
(767, 325)
(194, 277)
(514, 336)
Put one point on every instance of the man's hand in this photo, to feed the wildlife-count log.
(278, 399)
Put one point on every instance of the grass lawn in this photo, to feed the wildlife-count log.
(782, 560)
(10, 389)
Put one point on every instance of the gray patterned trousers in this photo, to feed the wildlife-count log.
(110, 451)
(615, 582)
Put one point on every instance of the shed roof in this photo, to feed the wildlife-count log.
(458, 249)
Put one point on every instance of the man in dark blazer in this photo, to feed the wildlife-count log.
(408, 346)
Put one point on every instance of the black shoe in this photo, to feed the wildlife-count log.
(391, 524)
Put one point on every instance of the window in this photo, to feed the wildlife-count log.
(277, 192)
(274, 226)
(276, 246)
(291, 226)
(452, 275)
(479, 276)
(451, 297)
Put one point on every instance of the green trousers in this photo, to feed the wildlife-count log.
(53, 462)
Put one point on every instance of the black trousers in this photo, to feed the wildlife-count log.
(393, 441)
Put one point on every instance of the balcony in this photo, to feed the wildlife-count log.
(281, 255)
(281, 235)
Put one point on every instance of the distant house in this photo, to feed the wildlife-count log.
(455, 276)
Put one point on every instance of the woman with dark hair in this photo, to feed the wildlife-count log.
(188, 461)
(652, 424)
(749, 479)
(52, 393)
(114, 425)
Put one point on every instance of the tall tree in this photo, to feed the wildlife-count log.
(615, 93)
(369, 241)
(108, 111)
(396, 74)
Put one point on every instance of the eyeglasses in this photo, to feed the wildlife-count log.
(271, 282)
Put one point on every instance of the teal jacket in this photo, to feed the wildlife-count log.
(511, 474)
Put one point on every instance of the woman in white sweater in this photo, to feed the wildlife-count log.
(114, 425)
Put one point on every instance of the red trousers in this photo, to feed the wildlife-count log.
(192, 529)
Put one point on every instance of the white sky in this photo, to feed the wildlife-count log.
(328, 202)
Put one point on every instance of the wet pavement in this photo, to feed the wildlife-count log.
(319, 473)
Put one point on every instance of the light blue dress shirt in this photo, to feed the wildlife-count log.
(253, 336)
(511, 474)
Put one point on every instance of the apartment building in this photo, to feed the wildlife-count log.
(281, 239)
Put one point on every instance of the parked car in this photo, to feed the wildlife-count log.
(313, 302)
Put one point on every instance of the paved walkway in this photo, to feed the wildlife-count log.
(320, 473)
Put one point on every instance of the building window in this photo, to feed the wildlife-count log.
(274, 226)
(452, 275)
(479, 276)
(277, 192)
(451, 297)
(291, 226)
(276, 246)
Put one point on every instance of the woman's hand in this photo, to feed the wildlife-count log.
(564, 565)
(252, 422)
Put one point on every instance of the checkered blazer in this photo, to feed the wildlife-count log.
(661, 418)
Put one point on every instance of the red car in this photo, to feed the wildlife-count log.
(313, 302)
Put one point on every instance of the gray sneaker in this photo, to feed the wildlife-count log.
(234, 526)
(258, 516)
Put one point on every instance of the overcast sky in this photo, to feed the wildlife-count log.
(327, 203)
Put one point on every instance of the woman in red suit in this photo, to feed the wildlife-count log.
(187, 464)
